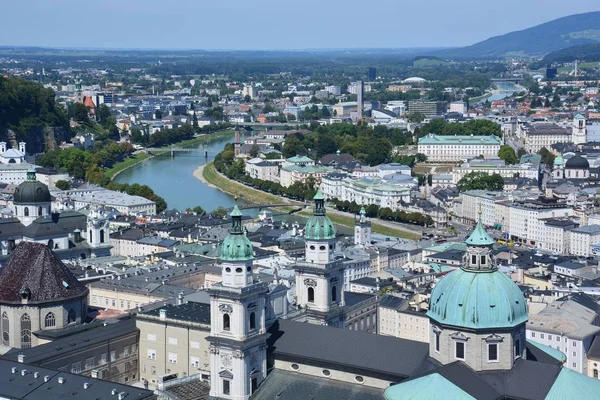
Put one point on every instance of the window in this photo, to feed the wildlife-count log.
(195, 345)
(101, 235)
(459, 351)
(558, 338)
(226, 322)
(5, 329)
(25, 332)
(113, 356)
(311, 295)
(333, 294)
(103, 358)
(90, 363)
(542, 336)
(493, 352)
(549, 337)
(326, 372)
(49, 321)
(474, 259)
(574, 343)
(133, 349)
(172, 358)
(27, 211)
(40, 211)
(482, 260)
(226, 387)
(71, 316)
(151, 337)
(254, 384)
(596, 373)
(437, 342)
(76, 367)
(151, 354)
(574, 365)
(195, 362)
(574, 354)
(173, 341)
(517, 348)
(359, 379)
(252, 321)
(295, 367)
(532, 334)
(126, 351)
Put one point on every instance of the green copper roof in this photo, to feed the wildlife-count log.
(552, 352)
(299, 159)
(559, 161)
(428, 387)
(458, 140)
(579, 116)
(362, 211)
(478, 300)
(319, 226)
(236, 246)
(573, 385)
(479, 237)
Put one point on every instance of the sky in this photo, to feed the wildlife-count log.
(271, 24)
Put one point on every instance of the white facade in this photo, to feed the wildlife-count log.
(457, 148)
(583, 238)
(259, 169)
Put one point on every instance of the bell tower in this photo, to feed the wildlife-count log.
(362, 229)
(237, 341)
(579, 130)
(320, 278)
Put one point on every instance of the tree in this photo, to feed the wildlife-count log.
(247, 98)
(195, 121)
(507, 154)
(254, 150)
(198, 210)
(480, 181)
(292, 147)
(79, 112)
(137, 136)
(416, 117)
(521, 152)
(158, 114)
(62, 185)
(547, 156)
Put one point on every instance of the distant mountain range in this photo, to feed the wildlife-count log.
(578, 29)
(581, 52)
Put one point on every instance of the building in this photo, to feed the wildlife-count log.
(100, 349)
(427, 107)
(584, 239)
(173, 341)
(237, 341)
(568, 324)
(537, 136)
(12, 156)
(258, 168)
(345, 109)
(291, 174)
(458, 107)
(530, 168)
(37, 292)
(14, 173)
(360, 88)
(122, 202)
(31, 382)
(458, 148)
(398, 318)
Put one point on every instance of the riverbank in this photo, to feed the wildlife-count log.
(210, 176)
(130, 162)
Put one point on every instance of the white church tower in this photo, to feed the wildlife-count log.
(320, 279)
(362, 229)
(237, 341)
(97, 231)
(579, 130)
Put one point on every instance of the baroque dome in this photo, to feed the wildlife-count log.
(577, 162)
(31, 191)
(236, 246)
(319, 226)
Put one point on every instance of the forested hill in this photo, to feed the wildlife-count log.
(27, 108)
(584, 52)
(550, 36)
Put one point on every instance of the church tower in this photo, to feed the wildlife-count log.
(237, 341)
(579, 130)
(237, 145)
(362, 229)
(97, 231)
(477, 313)
(320, 279)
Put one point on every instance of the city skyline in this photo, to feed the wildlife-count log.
(263, 25)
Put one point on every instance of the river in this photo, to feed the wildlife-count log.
(173, 179)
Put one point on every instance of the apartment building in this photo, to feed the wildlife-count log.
(173, 341)
(458, 148)
(584, 239)
(258, 168)
(399, 319)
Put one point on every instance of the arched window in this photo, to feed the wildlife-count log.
(27, 211)
(252, 321)
(40, 211)
(49, 321)
(333, 294)
(311, 295)
(226, 322)
(25, 332)
(596, 373)
(101, 235)
(51, 243)
(71, 317)
(5, 329)
(90, 237)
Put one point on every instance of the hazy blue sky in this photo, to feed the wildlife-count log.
(271, 24)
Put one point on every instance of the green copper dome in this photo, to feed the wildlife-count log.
(558, 161)
(236, 246)
(479, 237)
(477, 300)
(319, 226)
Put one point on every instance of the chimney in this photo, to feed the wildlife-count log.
(86, 385)
(163, 314)
(46, 378)
(21, 358)
(61, 380)
(94, 373)
(122, 395)
(180, 298)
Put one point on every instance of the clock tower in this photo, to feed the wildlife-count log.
(362, 229)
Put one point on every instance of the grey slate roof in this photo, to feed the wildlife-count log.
(290, 385)
(371, 354)
(189, 312)
(31, 386)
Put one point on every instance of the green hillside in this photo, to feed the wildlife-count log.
(584, 52)
(579, 29)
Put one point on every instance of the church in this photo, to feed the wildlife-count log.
(70, 234)
(477, 347)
